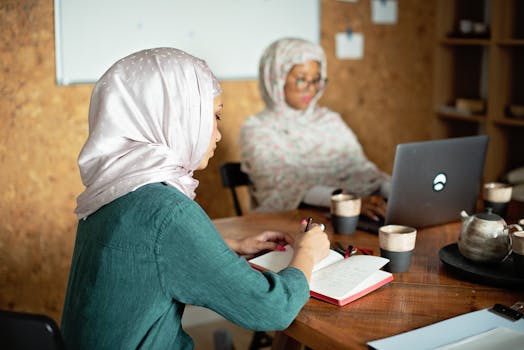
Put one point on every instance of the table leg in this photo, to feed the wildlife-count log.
(282, 341)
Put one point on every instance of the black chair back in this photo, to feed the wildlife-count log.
(25, 331)
(232, 177)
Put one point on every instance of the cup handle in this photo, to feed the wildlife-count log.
(517, 227)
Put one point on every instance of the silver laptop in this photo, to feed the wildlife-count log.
(433, 181)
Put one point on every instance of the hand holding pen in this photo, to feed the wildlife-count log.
(315, 238)
(310, 246)
(309, 221)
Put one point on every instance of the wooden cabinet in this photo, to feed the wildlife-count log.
(479, 63)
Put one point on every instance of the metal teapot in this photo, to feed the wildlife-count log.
(485, 237)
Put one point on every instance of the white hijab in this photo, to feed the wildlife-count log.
(286, 152)
(150, 120)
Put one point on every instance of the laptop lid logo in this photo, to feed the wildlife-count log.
(439, 182)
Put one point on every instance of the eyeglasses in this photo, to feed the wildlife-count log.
(302, 84)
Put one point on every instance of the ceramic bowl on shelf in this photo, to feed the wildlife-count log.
(515, 111)
(474, 106)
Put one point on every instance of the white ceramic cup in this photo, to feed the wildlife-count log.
(397, 243)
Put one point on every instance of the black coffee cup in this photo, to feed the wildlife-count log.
(497, 196)
(397, 243)
(344, 224)
(345, 210)
(398, 261)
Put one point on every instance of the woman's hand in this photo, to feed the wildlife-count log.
(373, 207)
(310, 247)
(267, 240)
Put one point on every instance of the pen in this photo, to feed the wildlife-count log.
(340, 251)
(309, 221)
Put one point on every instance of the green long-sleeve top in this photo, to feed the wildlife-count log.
(139, 259)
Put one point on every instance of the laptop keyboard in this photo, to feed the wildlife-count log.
(367, 224)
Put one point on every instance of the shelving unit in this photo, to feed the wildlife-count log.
(486, 66)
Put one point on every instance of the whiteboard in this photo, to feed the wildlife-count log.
(229, 34)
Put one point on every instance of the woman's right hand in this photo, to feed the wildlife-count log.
(374, 207)
(310, 247)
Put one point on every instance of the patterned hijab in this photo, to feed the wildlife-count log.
(150, 120)
(275, 64)
(286, 152)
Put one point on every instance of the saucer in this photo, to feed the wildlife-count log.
(500, 275)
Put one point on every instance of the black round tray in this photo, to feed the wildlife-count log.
(500, 275)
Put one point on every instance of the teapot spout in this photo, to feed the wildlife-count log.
(464, 215)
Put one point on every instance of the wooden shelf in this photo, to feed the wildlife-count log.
(510, 42)
(509, 122)
(462, 117)
(464, 41)
(488, 68)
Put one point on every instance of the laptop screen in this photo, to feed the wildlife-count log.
(433, 181)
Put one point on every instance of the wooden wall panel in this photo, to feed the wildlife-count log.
(42, 127)
(385, 98)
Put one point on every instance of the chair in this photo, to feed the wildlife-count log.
(232, 177)
(222, 340)
(25, 331)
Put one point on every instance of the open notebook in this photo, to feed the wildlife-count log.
(334, 279)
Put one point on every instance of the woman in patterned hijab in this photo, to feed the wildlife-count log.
(294, 148)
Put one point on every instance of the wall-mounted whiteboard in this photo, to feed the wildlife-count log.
(229, 34)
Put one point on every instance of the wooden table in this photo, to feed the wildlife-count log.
(428, 293)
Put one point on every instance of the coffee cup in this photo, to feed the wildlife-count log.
(517, 247)
(345, 209)
(397, 243)
(497, 196)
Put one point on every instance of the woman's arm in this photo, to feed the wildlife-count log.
(267, 240)
(197, 267)
(308, 247)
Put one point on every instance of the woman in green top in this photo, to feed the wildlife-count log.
(144, 248)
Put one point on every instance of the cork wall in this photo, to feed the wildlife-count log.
(385, 98)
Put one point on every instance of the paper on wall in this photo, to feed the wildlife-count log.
(349, 45)
(384, 11)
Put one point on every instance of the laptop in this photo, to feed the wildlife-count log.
(432, 182)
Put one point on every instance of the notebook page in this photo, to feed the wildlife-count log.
(277, 260)
(348, 276)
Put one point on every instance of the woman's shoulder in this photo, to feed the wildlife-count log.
(252, 121)
(156, 197)
(163, 192)
(255, 127)
(327, 113)
(163, 203)
(329, 118)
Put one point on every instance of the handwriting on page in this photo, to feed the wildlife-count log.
(343, 277)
